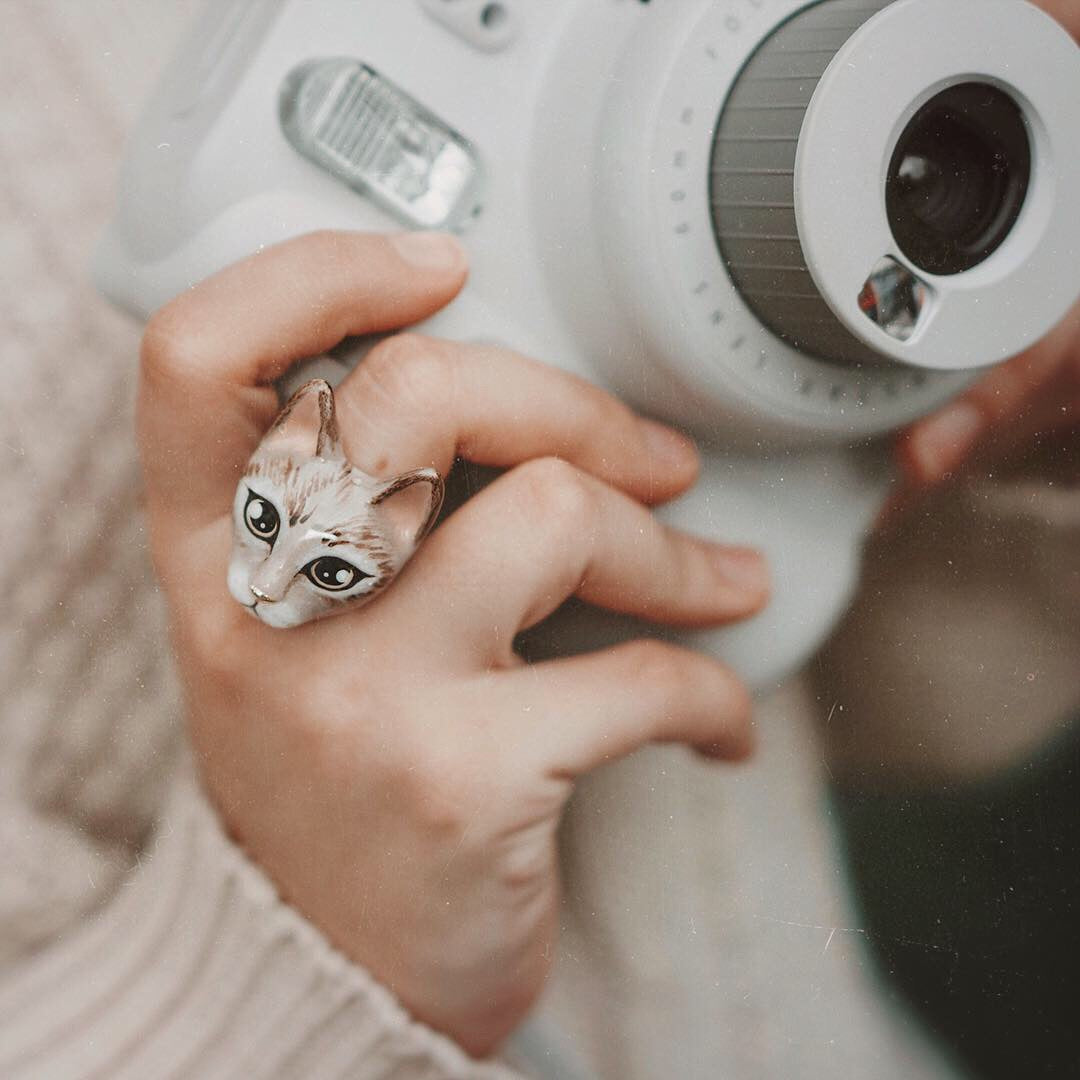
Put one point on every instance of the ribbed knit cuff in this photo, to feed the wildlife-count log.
(197, 969)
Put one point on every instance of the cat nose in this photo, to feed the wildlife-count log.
(262, 597)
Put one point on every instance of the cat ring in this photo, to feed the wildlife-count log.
(313, 535)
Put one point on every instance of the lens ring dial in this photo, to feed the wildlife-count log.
(678, 74)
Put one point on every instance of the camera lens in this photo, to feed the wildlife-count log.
(958, 178)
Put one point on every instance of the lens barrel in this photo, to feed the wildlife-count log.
(958, 178)
(752, 178)
(954, 190)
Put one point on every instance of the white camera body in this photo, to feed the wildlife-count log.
(590, 225)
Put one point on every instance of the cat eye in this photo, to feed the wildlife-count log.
(261, 518)
(333, 574)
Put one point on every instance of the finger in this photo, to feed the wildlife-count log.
(1035, 437)
(1067, 12)
(935, 448)
(546, 531)
(208, 356)
(570, 716)
(415, 401)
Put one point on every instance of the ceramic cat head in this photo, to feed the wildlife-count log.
(313, 534)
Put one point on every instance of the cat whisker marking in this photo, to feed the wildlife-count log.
(279, 559)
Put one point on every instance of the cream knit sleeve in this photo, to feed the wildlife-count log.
(195, 968)
(121, 957)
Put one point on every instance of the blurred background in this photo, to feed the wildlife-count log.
(949, 700)
(954, 750)
(80, 620)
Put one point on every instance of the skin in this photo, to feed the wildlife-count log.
(1031, 400)
(397, 771)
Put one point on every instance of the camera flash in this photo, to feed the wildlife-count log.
(361, 128)
(894, 298)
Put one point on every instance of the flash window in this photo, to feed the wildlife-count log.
(373, 136)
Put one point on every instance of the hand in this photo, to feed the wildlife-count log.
(1034, 396)
(396, 770)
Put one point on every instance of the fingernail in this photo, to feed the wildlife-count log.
(737, 749)
(670, 448)
(713, 752)
(941, 443)
(742, 567)
(429, 250)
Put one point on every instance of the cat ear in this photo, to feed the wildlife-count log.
(307, 425)
(408, 506)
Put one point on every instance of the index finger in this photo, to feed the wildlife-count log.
(210, 355)
(1067, 12)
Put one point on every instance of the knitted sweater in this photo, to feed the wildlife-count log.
(706, 927)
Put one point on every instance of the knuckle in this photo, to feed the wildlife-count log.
(526, 865)
(434, 784)
(209, 637)
(554, 491)
(166, 347)
(657, 668)
(440, 813)
(330, 749)
(440, 788)
(410, 369)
